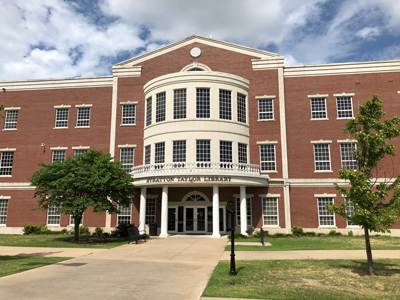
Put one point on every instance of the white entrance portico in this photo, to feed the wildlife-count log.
(195, 213)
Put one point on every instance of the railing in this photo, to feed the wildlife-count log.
(196, 167)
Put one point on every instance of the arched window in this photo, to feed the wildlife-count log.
(195, 196)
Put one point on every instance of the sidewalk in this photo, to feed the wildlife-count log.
(47, 252)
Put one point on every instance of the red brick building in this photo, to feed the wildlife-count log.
(203, 125)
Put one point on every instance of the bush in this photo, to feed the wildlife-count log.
(310, 233)
(350, 233)
(122, 230)
(238, 236)
(64, 231)
(83, 229)
(321, 234)
(258, 234)
(32, 229)
(333, 232)
(297, 230)
(281, 235)
(98, 230)
(250, 231)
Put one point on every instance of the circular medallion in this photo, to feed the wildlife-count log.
(195, 52)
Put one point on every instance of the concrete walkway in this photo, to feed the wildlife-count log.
(171, 268)
(176, 268)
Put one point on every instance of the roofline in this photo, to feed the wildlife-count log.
(193, 38)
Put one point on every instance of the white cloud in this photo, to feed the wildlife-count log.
(368, 32)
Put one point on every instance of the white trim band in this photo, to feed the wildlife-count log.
(321, 142)
(58, 148)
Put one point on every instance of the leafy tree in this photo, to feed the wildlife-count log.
(376, 198)
(88, 180)
(1, 108)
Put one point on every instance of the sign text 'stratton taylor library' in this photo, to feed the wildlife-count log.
(203, 126)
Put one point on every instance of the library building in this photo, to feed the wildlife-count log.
(203, 126)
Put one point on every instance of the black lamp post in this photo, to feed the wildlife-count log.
(232, 225)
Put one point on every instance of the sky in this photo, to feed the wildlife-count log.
(79, 38)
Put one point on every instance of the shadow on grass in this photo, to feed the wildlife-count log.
(381, 268)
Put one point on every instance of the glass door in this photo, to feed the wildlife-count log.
(201, 219)
(189, 219)
(172, 219)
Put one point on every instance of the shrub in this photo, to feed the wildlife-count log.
(64, 231)
(238, 236)
(311, 233)
(32, 229)
(281, 235)
(351, 233)
(297, 230)
(250, 231)
(321, 234)
(122, 230)
(258, 234)
(83, 229)
(98, 230)
(333, 232)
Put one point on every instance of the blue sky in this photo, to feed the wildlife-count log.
(71, 38)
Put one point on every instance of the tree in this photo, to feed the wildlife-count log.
(1, 108)
(375, 196)
(88, 180)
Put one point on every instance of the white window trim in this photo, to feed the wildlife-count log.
(84, 105)
(259, 149)
(330, 159)
(9, 109)
(277, 210)
(347, 224)
(7, 150)
(127, 146)
(47, 220)
(58, 148)
(62, 106)
(155, 208)
(334, 215)
(122, 110)
(8, 203)
(237, 199)
(77, 114)
(55, 122)
(352, 108)
(70, 219)
(121, 215)
(267, 142)
(326, 107)
(80, 148)
(272, 97)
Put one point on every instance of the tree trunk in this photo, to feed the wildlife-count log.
(369, 252)
(77, 221)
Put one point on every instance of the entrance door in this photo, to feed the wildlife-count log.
(195, 219)
(172, 219)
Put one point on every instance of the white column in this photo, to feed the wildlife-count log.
(216, 233)
(142, 215)
(243, 211)
(164, 212)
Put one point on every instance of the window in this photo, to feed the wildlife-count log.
(241, 108)
(270, 211)
(83, 119)
(248, 211)
(53, 215)
(128, 114)
(225, 105)
(124, 216)
(62, 117)
(79, 152)
(344, 107)
(242, 153)
(127, 155)
(265, 109)
(180, 104)
(159, 155)
(160, 107)
(3, 211)
(6, 163)
(72, 220)
(11, 119)
(348, 158)
(322, 157)
(147, 154)
(318, 108)
(148, 111)
(202, 103)
(225, 151)
(203, 150)
(150, 210)
(350, 211)
(58, 155)
(326, 218)
(267, 157)
(179, 151)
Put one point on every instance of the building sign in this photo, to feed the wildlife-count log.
(190, 179)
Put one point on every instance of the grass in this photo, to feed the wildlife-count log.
(15, 264)
(60, 241)
(321, 243)
(306, 279)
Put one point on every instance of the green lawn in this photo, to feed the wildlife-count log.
(16, 264)
(306, 279)
(60, 241)
(321, 243)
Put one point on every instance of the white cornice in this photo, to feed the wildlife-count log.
(60, 83)
(342, 68)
